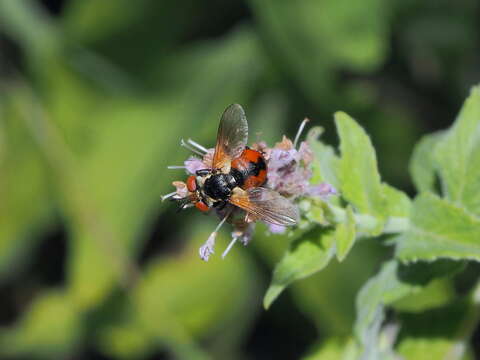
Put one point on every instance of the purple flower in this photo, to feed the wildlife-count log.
(243, 232)
(207, 249)
(288, 172)
(323, 190)
(276, 229)
(192, 164)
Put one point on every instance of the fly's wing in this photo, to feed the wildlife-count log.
(266, 205)
(232, 136)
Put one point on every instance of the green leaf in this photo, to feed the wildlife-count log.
(26, 209)
(79, 18)
(458, 156)
(380, 289)
(315, 38)
(394, 282)
(50, 329)
(334, 348)
(434, 334)
(181, 299)
(325, 163)
(397, 202)
(328, 296)
(27, 23)
(377, 341)
(358, 173)
(316, 211)
(125, 341)
(310, 253)
(101, 247)
(345, 235)
(422, 164)
(438, 292)
(107, 225)
(427, 348)
(439, 229)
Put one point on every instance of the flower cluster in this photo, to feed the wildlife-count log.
(289, 173)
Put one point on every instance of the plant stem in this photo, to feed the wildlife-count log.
(365, 222)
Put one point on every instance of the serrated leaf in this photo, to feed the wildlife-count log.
(422, 164)
(373, 295)
(345, 235)
(458, 156)
(394, 282)
(310, 253)
(358, 173)
(325, 163)
(328, 296)
(434, 334)
(438, 292)
(397, 202)
(439, 229)
(427, 348)
(316, 213)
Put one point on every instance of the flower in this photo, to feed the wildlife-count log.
(288, 172)
(276, 229)
(193, 163)
(181, 187)
(243, 231)
(323, 190)
(207, 249)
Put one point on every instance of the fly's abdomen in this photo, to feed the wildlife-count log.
(249, 169)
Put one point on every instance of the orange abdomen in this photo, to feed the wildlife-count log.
(249, 169)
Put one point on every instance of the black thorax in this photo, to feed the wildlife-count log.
(219, 186)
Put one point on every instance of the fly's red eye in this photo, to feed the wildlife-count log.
(191, 183)
(202, 206)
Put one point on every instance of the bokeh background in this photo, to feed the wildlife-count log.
(94, 99)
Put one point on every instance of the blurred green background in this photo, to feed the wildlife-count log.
(94, 99)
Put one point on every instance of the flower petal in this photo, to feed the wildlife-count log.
(181, 187)
(207, 249)
(323, 190)
(192, 164)
(276, 229)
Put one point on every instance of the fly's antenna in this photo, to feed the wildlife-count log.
(183, 203)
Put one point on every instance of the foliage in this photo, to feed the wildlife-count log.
(434, 235)
(93, 104)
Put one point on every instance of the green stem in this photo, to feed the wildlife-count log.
(393, 224)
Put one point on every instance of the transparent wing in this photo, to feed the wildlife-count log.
(267, 205)
(232, 136)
